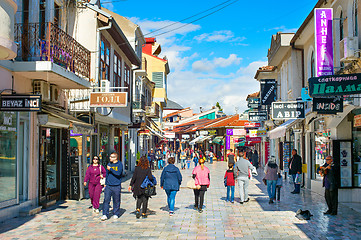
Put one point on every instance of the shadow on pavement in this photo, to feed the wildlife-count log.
(166, 209)
(15, 223)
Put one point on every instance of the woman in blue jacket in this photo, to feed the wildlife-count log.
(170, 181)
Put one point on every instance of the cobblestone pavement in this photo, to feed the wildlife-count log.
(220, 220)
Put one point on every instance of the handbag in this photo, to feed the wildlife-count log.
(264, 181)
(298, 179)
(192, 184)
(225, 181)
(150, 191)
(102, 180)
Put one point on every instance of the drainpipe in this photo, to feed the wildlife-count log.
(98, 50)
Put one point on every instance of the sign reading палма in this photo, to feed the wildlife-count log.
(335, 85)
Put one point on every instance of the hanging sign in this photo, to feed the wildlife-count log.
(169, 134)
(323, 41)
(254, 139)
(236, 132)
(258, 116)
(252, 124)
(331, 105)
(254, 102)
(357, 121)
(212, 132)
(288, 110)
(268, 91)
(257, 133)
(110, 99)
(15, 102)
(335, 85)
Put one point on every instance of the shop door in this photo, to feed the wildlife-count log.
(23, 157)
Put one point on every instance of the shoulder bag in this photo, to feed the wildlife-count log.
(102, 179)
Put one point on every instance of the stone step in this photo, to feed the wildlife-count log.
(29, 211)
(47, 204)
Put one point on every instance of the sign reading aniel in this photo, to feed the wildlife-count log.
(20, 103)
(110, 99)
(288, 110)
(323, 41)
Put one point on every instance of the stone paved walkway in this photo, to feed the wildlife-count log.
(220, 220)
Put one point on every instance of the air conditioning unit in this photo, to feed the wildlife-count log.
(349, 49)
(42, 88)
(54, 93)
(105, 85)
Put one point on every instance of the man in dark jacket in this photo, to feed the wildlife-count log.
(295, 167)
(329, 173)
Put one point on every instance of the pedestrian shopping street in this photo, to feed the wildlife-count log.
(256, 219)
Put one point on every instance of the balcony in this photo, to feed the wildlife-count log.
(152, 111)
(139, 102)
(44, 47)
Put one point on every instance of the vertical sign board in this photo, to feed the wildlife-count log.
(345, 163)
(266, 152)
(268, 91)
(74, 178)
(228, 142)
(323, 41)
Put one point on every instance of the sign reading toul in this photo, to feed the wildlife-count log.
(20, 103)
(257, 116)
(335, 85)
(268, 91)
(331, 105)
(110, 99)
(288, 110)
(254, 102)
(323, 41)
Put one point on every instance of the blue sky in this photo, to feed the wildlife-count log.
(215, 58)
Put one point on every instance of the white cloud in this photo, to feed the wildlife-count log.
(196, 89)
(282, 29)
(206, 65)
(219, 36)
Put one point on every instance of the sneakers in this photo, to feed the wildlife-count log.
(144, 215)
(137, 214)
(96, 210)
(246, 200)
(171, 213)
(115, 217)
(200, 210)
(232, 201)
(270, 201)
(103, 218)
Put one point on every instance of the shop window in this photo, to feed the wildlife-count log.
(104, 59)
(356, 147)
(8, 161)
(117, 80)
(323, 144)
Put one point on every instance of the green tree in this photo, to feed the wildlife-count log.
(219, 107)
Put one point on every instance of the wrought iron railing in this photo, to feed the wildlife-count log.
(47, 42)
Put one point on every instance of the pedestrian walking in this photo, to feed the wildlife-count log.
(151, 157)
(170, 180)
(231, 156)
(140, 173)
(93, 174)
(195, 158)
(211, 156)
(279, 186)
(230, 182)
(201, 175)
(183, 157)
(329, 173)
(242, 170)
(188, 161)
(113, 186)
(271, 171)
(295, 169)
(255, 160)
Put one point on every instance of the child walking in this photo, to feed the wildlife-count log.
(188, 162)
(278, 187)
(229, 180)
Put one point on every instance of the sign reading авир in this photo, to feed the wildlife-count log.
(323, 41)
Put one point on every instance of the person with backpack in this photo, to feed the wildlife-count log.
(229, 179)
(170, 181)
(140, 173)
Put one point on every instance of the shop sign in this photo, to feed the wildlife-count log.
(257, 133)
(238, 140)
(252, 124)
(288, 110)
(323, 41)
(331, 105)
(254, 102)
(145, 131)
(268, 91)
(185, 136)
(111, 99)
(236, 132)
(267, 151)
(335, 85)
(258, 116)
(169, 134)
(228, 142)
(254, 139)
(357, 121)
(29, 103)
(8, 121)
(203, 133)
(212, 132)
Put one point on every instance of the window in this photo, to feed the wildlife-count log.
(127, 76)
(341, 26)
(313, 72)
(117, 76)
(356, 20)
(104, 59)
(158, 79)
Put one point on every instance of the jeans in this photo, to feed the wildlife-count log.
(243, 183)
(230, 189)
(112, 191)
(297, 186)
(188, 165)
(171, 199)
(160, 164)
(211, 160)
(271, 189)
(183, 163)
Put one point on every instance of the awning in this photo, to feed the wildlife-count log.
(155, 133)
(337, 119)
(218, 140)
(280, 131)
(199, 139)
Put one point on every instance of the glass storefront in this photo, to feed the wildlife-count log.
(8, 162)
(104, 132)
(356, 155)
(323, 144)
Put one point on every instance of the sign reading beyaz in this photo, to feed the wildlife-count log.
(258, 116)
(288, 110)
(335, 85)
(109, 99)
(323, 41)
(20, 102)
